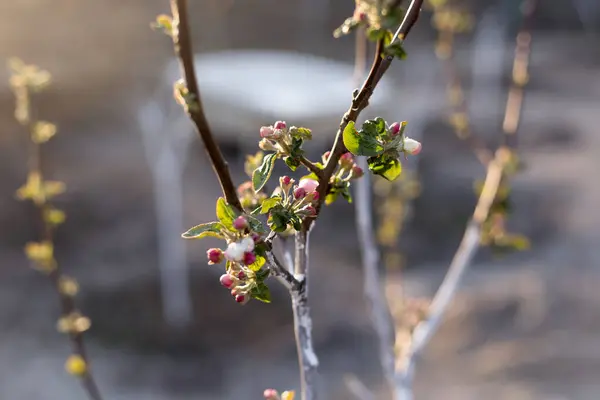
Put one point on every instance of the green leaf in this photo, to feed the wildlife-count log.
(226, 214)
(387, 38)
(203, 230)
(255, 224)
(262, 274)
(292, 163)
(361, 144)
(346, 195)
(373, 127)
(385, 166)
(300, 133)
(261, 175)
(312, 175)
(269, 203)
(396, 49)
(261, 292)
(375, 34)
(257, 265)
(330, 198)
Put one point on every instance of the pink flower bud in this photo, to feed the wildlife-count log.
(394, 129)
(299, 193)
(240, 298)
(286, 180)
(249, 258)
(314, 196)
(255, 237)
(226, 280)
(240, 223)
(215, 256)
(346, 160)
(280, 125)
(266, 131)
(271, 394)
(309, 185)
(310, 211)
(412, 146)
(357, 172)
(241, 275)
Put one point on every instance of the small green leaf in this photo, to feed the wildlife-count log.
(261, 292)
(261, 175)
(203, 230)
(312, 175)
(269, 203)
(346, 195)
(262, 274)
(300, 133)
(385, 166)
(255, 224)
(375, 34)
(330, 198)
(373, 127)
(226, 214)
(359, 143)
(257, 265)
(292, 163)
(396, 49)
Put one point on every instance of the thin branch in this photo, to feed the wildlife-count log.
(361, 100)
(183, 49)
(520, 77)
(307, 358)
(55, 274)
(461, 260)
(458, 103)
(471, 239)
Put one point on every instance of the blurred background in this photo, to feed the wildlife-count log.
(523, 326)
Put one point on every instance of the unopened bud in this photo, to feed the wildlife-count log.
(325, 156)
(394, 129)
(215, 256)
(357, 172)
(271, 394)
(226, 280)
(280, 125)
(299, 193)
(266, 131)
(240, 223)
(412, 146)
(346, 160)
(309, 185)
(249, 258)
(266, 145)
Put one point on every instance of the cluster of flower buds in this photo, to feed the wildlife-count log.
(300, 198)
(240, 254)
(347, 166)
(272, 394)
(248, 197)
(409, 145)
(278, 137)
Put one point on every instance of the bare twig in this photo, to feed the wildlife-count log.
(55, 274)
(520, 77)
(307, 357)
(183, 49)
(470, 243)
(463, 256)
(361, 99)
(458, 103)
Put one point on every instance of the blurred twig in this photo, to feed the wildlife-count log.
(183, 49)
(24, 80)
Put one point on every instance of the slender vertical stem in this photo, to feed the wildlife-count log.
(182, 41)
(307, 357)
